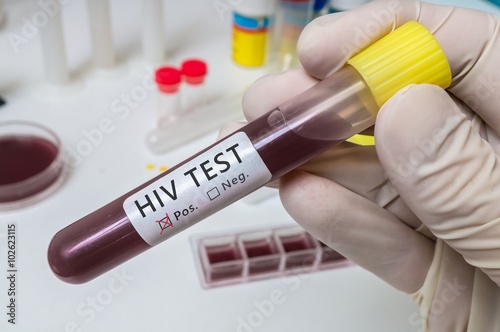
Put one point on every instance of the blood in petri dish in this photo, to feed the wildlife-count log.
(22, 158)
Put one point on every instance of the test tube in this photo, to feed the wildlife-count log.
(291, 18)
(251, 22)
(207, 118)
(101, 34)
(153, 43)
(168, 80)
(193, 72)
(54, 53)
(334, 109)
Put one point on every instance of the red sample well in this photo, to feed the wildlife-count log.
(300, 250)
(224, 262)
(262, 255)
(258, 248)
(222, 253)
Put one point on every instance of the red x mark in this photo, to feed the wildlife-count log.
(164, 223)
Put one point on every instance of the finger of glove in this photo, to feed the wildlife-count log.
(358, 169)
(446, 173)
(358, 229)
(469, 38)
(446, 296)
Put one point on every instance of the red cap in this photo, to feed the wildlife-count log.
(168, 79)
(194, 71)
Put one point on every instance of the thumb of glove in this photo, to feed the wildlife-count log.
(446, 173)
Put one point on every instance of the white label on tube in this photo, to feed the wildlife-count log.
(204, 185)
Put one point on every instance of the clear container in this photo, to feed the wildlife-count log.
(168, 80)
(291, 18)
(32, 163)
(209, 117)
(194, 72)
(247, 256)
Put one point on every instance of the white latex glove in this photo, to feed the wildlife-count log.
(435, 166)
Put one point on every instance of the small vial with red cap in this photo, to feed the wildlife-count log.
(168, 80)
(193, 73)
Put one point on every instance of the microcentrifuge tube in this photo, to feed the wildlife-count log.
(291, 18)
(193, 72)
(153, 35)
(54, 52)
(168, 80)
(341, 105)
(100, 31)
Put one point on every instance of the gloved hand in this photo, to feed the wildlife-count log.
(420, 209)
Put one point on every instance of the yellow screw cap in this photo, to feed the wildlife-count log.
(408, 55)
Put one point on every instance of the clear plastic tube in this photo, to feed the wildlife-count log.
(208, 117)
(153, 36)
(168, 80)
(261, 151)
(101, 33)
(168, 108)
(194, 72)
(54, 52)
(291, 18)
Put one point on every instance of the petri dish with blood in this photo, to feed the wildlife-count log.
(31, 163)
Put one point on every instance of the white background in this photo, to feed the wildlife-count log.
(159, 290)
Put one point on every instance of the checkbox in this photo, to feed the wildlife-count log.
(213, 193)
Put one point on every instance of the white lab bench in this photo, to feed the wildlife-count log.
(160, 289)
